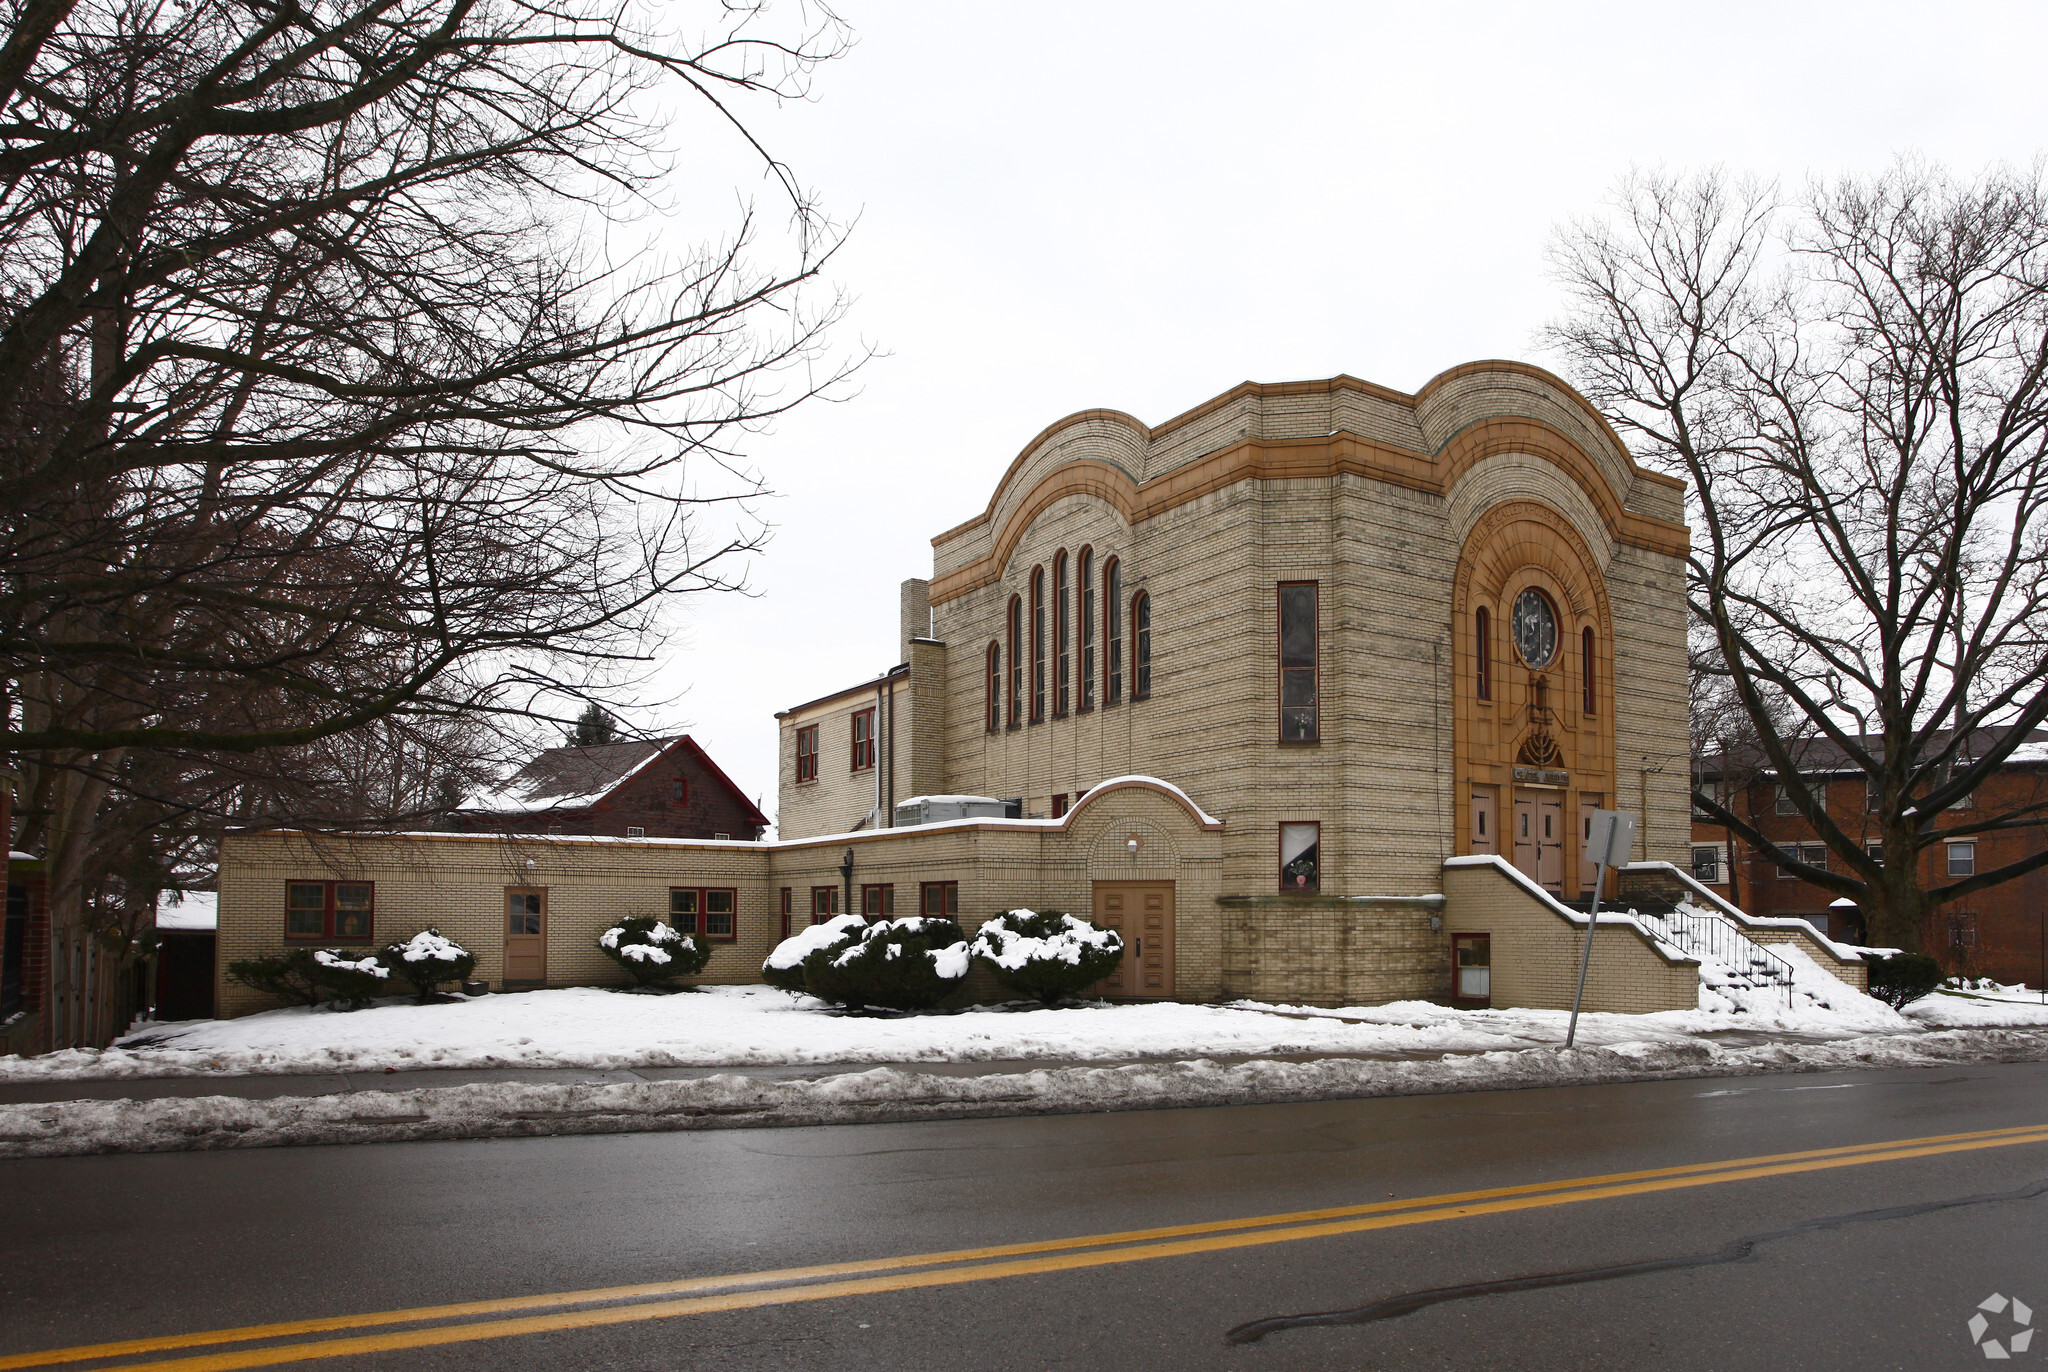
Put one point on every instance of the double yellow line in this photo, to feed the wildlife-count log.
(830, 1281)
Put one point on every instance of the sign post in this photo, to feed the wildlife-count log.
(1608, 843)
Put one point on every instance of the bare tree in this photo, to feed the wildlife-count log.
(340, 381)
(1855, 386)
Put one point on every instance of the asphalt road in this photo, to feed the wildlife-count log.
(1860, 1256)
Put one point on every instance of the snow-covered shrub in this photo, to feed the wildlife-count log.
(1048, 954)
(1903, 978)
(353, 982)
(288, 976)
(784, 969)
(428, 959)
(652, 953)
(911, 963)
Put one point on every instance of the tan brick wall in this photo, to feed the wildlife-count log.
(1536, 951)
(457, 883)
(840, 797)
(1328, 951)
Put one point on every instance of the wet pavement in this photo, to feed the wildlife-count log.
(1869, 1257)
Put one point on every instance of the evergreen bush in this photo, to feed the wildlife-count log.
(1047, 954)
(784, 968)
(427, 960)
(1903, 978)
(352, 982)
(288, 976)
(652, 953)
(911, 963)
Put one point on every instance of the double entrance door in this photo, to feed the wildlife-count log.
(1540, 837)
(1141, 911)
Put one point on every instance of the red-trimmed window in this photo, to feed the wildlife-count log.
(824, 903)
(1084, 585)
(940, 899)
(339, 911)
(863, 739)
(787, 910)
(1113, 632)
(878, 901)
(1482, 653)
(1016, 661)
(1141, 646)
(995, 687)
(712, 911)
(1059, 805)
(1037, 644)
(1062, 632)
(807, 754)
(679, 790)
(1300, 712)
(1301, 856)
(1587, 671)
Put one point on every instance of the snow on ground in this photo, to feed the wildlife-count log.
(1974, 1004)
(498, 1110)
(742, 1026)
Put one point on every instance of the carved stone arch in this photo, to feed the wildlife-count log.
(1533, 737)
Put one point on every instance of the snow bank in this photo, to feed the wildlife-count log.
(884, 1094)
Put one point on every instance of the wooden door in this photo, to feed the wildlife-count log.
(1525, 833)
(1589, 871)
(1540, 837)
(526, 934)
(1485, 823)
(1472, 971)
(1141, 911)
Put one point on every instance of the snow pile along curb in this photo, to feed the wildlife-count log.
(889, 1094)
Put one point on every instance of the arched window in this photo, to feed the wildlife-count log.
(1084, 583)
(1141, 646)
(1037, 644)
(1016, 661)
(1062, 633)
(1482, 653)
(1113, 632)
(995, 687)
(1586, 670)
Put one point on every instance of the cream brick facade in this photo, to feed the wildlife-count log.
(1410, 513)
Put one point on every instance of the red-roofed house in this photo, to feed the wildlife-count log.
(648, 788)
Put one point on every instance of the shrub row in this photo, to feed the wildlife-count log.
(349, 979)
(916, 962)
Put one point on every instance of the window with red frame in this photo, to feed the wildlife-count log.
(1113, 632)
(712, 911)
(679, 791)
(1084, 587)
(824, 903)
(878, 901)
(1141, 646)
(995, 687)
(1037, 644)
(940, 898)
(341, 911)
(786, 911)
(1062, 679)
(1300, 712)
(807, 753)
(863, 739)
(1016, 661)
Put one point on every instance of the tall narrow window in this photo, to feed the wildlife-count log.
(1301, 864)
(1586, 670)
(807, 754)
(1482, 653)
(1062, 632)
(1300, 715)
(1084, 585)
(1141, 646)
(995, 687)
(1113, 632)
(1016, 661)
(863, 739)
(1037, 644)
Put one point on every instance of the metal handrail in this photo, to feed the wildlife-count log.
(1717, 937)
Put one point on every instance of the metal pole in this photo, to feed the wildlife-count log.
(1586, 954)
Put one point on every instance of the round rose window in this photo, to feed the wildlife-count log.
(1535, 625)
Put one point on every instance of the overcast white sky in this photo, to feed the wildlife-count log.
(1138, 205)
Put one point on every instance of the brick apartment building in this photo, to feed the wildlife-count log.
(1995, 933)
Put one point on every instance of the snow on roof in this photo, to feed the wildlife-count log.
(571, 778)
(188, 911)
(16, 855)
(1166, 786)
(950, 800)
